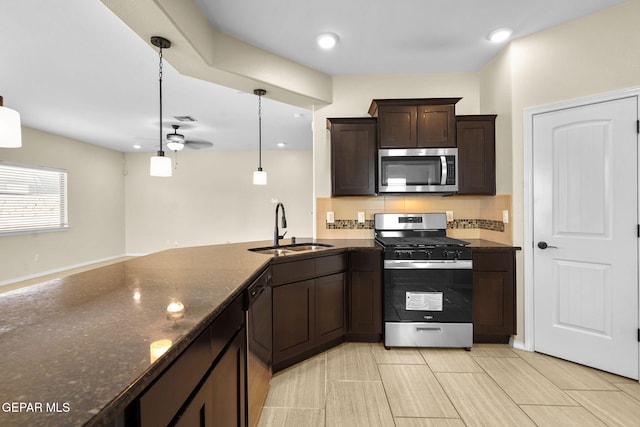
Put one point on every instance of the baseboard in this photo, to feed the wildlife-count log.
(55, 271)
(517, 344)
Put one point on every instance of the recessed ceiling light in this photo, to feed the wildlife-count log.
(327, 40)
(137, 146)
(281, 144)
(298, 115)
(499, 35)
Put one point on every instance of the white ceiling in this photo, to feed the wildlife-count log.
(71, 67)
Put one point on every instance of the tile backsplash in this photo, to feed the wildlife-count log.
(474, 217)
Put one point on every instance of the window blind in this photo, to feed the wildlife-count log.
(32, 198)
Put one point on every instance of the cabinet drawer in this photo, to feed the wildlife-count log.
(492, 261)
(330, 264)
(366, 260)
(294, 271)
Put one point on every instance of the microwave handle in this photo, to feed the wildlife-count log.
(443, 162)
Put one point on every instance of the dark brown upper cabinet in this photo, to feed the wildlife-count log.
(476, 154)
(353, 156)
(418, 122)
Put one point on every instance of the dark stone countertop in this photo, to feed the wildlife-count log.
(479, 245)
(75, 350)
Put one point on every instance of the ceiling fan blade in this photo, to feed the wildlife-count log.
(198, 145)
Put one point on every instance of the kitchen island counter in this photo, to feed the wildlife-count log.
(76, 350)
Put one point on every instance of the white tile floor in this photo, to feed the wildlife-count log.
(359, 384)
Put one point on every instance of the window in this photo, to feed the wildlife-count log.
(32, 198)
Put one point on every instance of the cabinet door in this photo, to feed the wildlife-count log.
(330, 308)
(436, 126)
(365, 303)
(493, 296)
(293, 319)
(365, 296)
(200, 411)
(476, 155)
(353, 156)
(220, 401)
(228, 385)
(397, 125)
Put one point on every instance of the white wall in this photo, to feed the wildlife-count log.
(352, 96)
(96, 207)
(211, 199)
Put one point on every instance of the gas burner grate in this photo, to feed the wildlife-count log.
(420, 241)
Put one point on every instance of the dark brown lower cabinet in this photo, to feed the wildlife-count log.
(330, 308)
(221, 398)
(309, 315)
(494, 296)
(293, 319)
(228, 386)
(365, 296)
(205, 385)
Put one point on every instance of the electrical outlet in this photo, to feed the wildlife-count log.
(330, 218)
(36, 257)
(360, 217)
(505, 216)
(449, 216)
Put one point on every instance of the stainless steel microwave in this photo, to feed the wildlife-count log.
(418, 170)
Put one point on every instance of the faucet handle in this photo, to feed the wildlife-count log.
(282, 237)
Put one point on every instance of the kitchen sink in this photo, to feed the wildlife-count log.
(299, 247)
(292, 248)
(271, 251)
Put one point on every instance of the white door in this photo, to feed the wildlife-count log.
(585, 211)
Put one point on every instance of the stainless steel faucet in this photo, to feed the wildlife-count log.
(276, 232)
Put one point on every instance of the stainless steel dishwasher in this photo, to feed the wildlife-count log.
(259, 354)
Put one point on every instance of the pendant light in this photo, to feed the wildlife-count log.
(260, 176)
(160, 165)
(10, 130)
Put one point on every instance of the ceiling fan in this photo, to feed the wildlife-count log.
(177, 141)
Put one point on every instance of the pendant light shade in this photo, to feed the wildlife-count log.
(260, 176)
(160, 165)
(10, 130)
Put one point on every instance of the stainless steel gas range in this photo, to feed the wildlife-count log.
(427, 289)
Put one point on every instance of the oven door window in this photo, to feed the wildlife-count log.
(424, 295)
(410, 171)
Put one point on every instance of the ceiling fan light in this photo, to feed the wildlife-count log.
(160, 165)
(259, 177)
(10, 130)
(175, 145)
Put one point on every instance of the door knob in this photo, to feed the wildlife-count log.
(543, 245)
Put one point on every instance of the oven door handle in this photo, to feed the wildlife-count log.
(458, 264)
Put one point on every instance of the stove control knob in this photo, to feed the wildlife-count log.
(445, 254)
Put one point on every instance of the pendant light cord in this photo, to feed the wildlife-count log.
(259, 132)
(160, 79)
